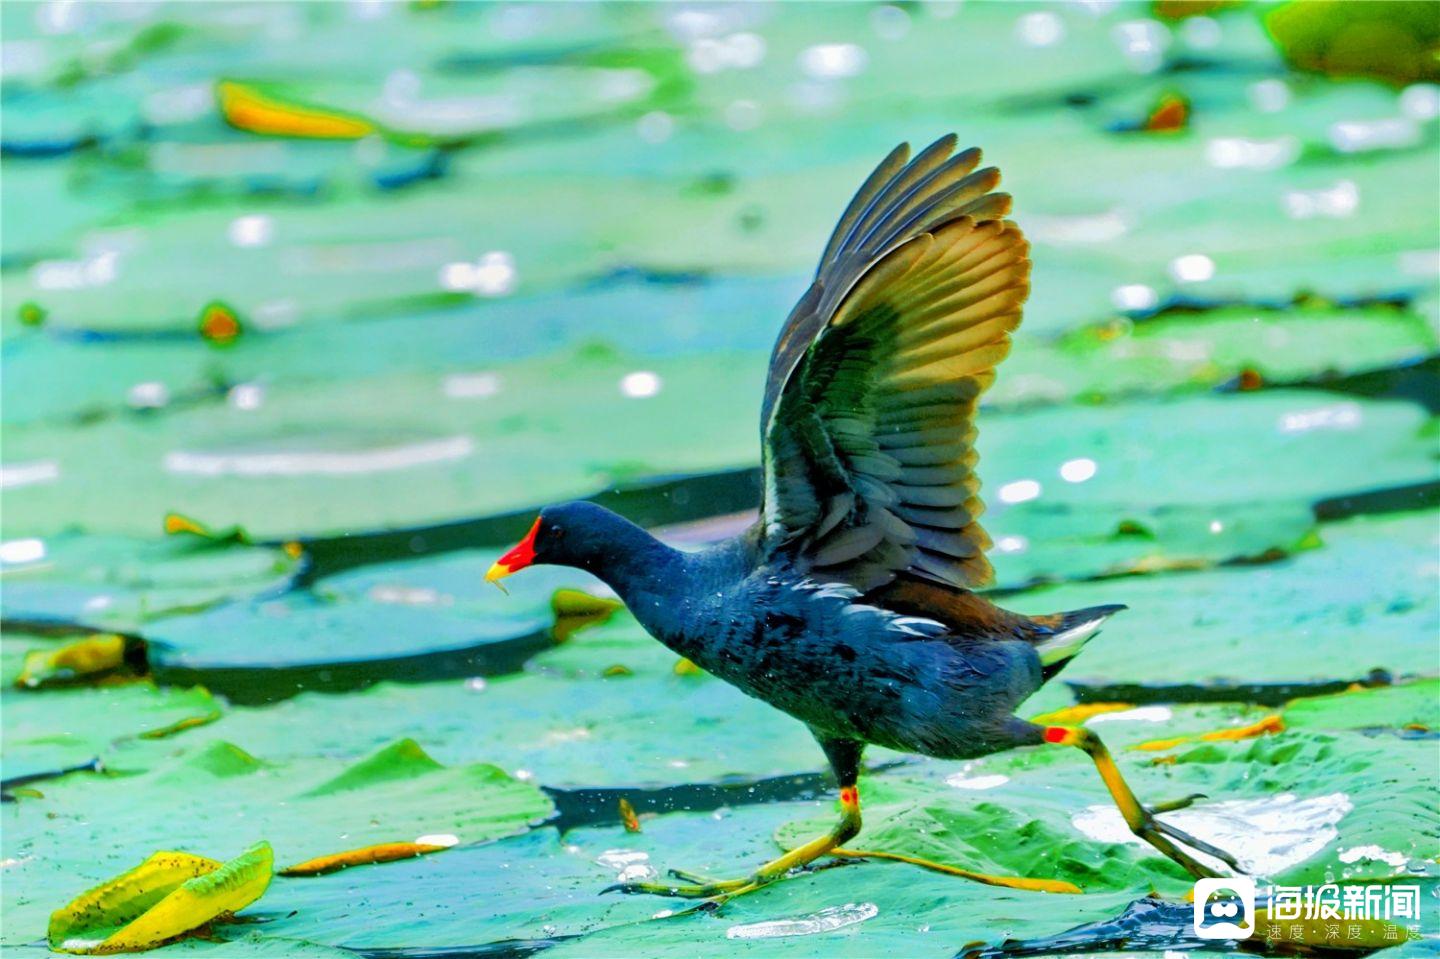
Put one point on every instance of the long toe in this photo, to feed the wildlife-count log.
(1184, 802)
(1155, 836)
(677, 890)
(693, 877)
(1179, 835)
(1011, 882)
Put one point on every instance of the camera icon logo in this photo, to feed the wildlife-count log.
(1225, 908)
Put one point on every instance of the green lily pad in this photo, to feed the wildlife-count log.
(121, 582)
(214, 790)
(1190, 351)
(1364, 601)
(126, 727)
(1412, 706)
(563, 721)
(1296, 806)
(167, 896)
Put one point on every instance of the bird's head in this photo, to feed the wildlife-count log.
(570, 534)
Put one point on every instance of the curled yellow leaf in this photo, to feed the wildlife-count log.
(166, 896)
(84, 658)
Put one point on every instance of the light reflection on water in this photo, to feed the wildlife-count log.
(826, 920)
(1267, 835)
(318, 462)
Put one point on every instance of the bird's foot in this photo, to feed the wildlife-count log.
(714, 892)
(1009, 882)
(1159, 834)
(699, 890)
(1174, 804)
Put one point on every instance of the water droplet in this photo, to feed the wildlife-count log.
(1020, 491)
(1042, 29)
(1077, 470)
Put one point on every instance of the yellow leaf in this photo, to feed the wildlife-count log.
(176, 523)
(219, 324)
(384, 852)
(180, 725)
(1077, 714)
(628, 816)
(166, 896)
(90, 657)
(246, 108)
(574, 610)
(1268, 725)
(684, 667)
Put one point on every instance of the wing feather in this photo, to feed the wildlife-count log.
(868, 422)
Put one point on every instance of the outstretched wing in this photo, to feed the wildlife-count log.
(868, 422)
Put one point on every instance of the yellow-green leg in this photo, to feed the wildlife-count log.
(1142, 821)
(720, 890)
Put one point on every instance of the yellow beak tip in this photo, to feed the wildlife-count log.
(496, 573)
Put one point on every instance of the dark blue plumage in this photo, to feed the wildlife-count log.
(821, 652)
(851, 602)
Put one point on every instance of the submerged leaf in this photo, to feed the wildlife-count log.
(168, 895)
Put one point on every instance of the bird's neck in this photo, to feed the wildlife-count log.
(647, 574)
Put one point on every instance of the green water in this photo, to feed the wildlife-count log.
(555, 270)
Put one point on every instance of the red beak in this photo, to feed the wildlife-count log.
(517, 559)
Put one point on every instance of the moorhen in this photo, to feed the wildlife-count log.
(850, 603)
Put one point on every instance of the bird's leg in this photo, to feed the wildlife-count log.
(1142, 821)
(720, 890)
(844, 756)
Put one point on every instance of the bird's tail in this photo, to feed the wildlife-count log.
(1059, 637)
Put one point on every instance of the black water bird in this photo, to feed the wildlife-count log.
(850, 603)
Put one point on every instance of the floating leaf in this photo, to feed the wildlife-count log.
(628, 816)
(168, 895)
(1413, 706)
(219, 324)
(246, 107)
(1264, 727)
(180, 725)
(1171, 114)
(1387, 39)
(1074, 715)
(32, 314)
(367, 855)
(576, 609)
(105, 656)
